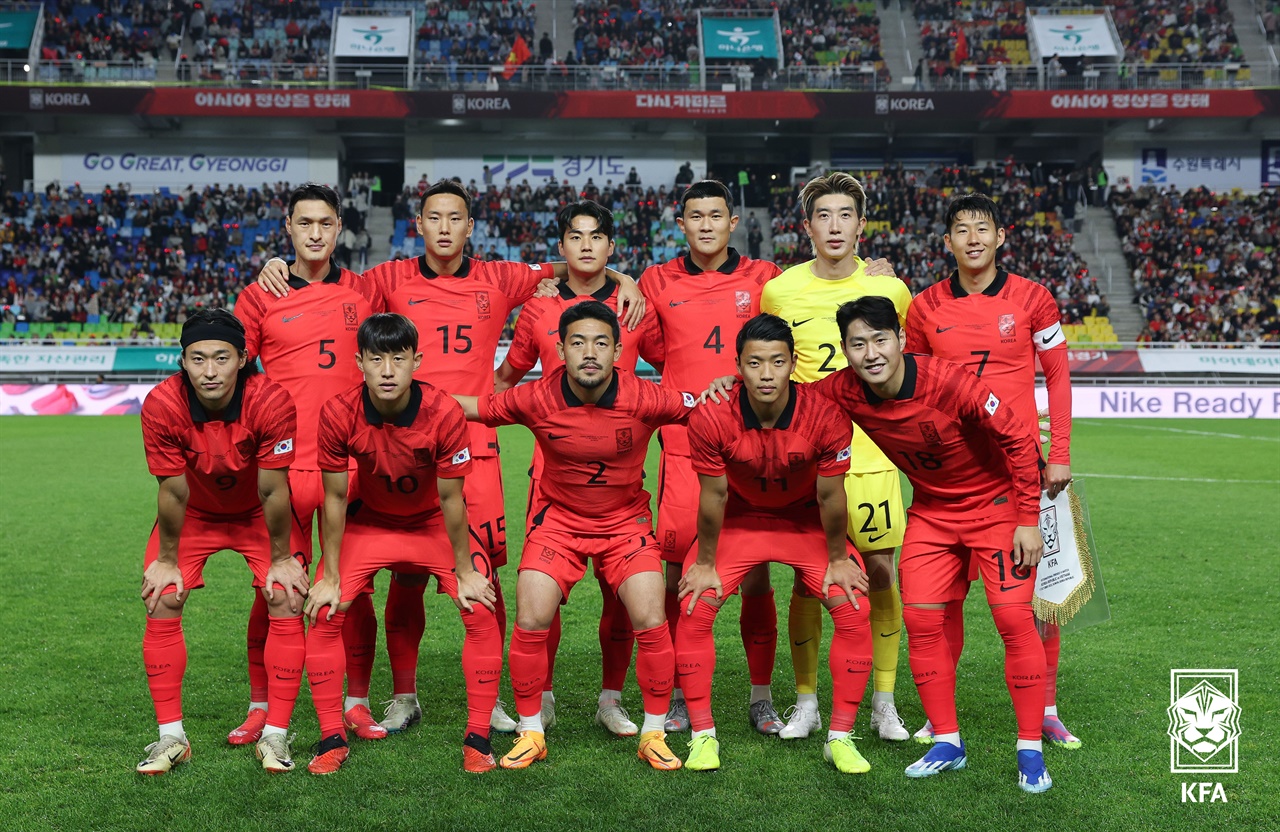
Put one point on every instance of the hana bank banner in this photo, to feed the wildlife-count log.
(1170, 402)
(739, 38)
(1073, 34)
(373, 36)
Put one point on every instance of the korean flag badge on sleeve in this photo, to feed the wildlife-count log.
(461, 456)
(284, 446)
(844, 454)
(689, 400)
(992, 405)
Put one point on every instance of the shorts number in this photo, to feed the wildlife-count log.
(827, 366)
(489, 527)
(983, 355)
(713, 341)
(598, 477)
(921, 459)
(1018, 572)
(480, 562)
(779, 482)
(461, 341)
(226, 482)
(405, 485)
(330, 356)
(870, 525)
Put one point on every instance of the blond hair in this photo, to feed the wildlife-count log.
(836, 182)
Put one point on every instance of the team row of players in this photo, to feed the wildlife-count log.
(713, 288)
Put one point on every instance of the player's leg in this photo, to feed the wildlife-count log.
(616, 642)
(804, 631)
(877, 523)
(677, 524)
(404, 621)
(533, 502)
(953, 630)
(487, 520)
(1052, 729)
(758, 626)
(633, 566)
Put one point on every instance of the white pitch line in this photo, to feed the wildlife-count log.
(1175, 479)
(1110, 423)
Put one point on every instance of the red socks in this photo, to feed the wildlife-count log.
(405, 621)
(481, 667)
(326, 665)
(164, 654)
(360, 635)
(759, 627)
(553, 644)
(527, 664)
(655, 667)
(1052, 647)
(933, 668)
(953, 628)
(696, 663)
(1024, 662)
(675, 612)
(616, 640)
(284, 655)
(850, 663)
(257, 640)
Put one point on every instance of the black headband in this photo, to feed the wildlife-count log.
(212, 332)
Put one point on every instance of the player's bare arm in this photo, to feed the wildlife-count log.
(333, 523)
(702, 573)
(171, 512)
(273, 491)
(1028, 546)
(505, 377)
(470, 407)
(473, 587)
(842, 570)
(719, 390)
(629, 296)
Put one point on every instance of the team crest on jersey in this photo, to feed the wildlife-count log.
(350, 316)
(426, 457)
(742, 300)
(795, 461)
(245, 447)
(548, 554)
(669, 541)
(623, 435)
(930, 433)
(482, 304)
(1008, 325)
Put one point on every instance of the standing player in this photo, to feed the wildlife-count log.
(593, 424)
(975, 470)
(219, 439)
(459, 305)
(303, 340)
(998, 324)
(701, 300)
(410, 444)
(586, 244)
(807, 295)
(771, 462)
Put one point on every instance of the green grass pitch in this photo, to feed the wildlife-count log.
(1185, 514)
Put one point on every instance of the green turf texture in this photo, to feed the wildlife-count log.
(1190, 567)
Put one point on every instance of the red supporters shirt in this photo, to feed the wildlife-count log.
(771, 470)
(700, 314)
(398, 461)
(459, 319)
(538, 332)
(965, 451)
(307, 342)
(593, 454)
(220, 455)
(998, 333)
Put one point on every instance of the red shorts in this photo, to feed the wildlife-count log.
(678, 494)
(486, 509)
(370, 544)
(306, 497)
(563, 555)
(746, 541)
(938, 552)
(202, 538)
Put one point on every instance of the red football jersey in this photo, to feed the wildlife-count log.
(538, 332)
(771, 470)
(398, 461)
(700, 314)
(219, 455)
(459, 319)
(998, 334)
(593, 454)
(965, 451)
(307, 342)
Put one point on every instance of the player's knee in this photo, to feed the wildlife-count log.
(279, 607)
(709, 598)
(170, 605)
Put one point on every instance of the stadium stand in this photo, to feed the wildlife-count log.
(473, 34)
(1162, 32)
(1204, 264)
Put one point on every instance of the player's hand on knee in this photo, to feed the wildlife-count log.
(289, 574)
(326, 593)
(698, 580)
(719, 389)
(1028, 546)
(274, 277)
(846, 575)
(474, 588)
(155, 578)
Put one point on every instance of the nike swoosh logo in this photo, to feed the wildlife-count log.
(871, 430)
(1004, 588)
(1046, 339)
(762, 641)
(943, 329)
(157, 673)
(487, 681)
(522, 754)
(676, 303)
(416, 302)
(889, 635)
(1024, 686)
(553, 332)
(288, 318)
(286, 678)
(562, 436)
(877, 537)
(801, 323)
(806, 641)
(660, 757)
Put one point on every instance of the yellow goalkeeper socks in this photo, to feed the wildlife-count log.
(886, 634)
(804, 625)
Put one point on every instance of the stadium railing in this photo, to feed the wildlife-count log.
(1100, 76)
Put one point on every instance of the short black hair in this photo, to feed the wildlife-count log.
(318, 192)
(878, 313)
(766, 327)
(585, 208)
(979, 204)
(446, 186)
(387, 332)
(589, 310)
(707, 189)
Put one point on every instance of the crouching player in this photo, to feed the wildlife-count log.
(771, 461)
(592, 423)
(975, 470)
(219, 438)
(411, 448)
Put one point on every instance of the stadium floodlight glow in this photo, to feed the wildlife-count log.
(450, 122)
